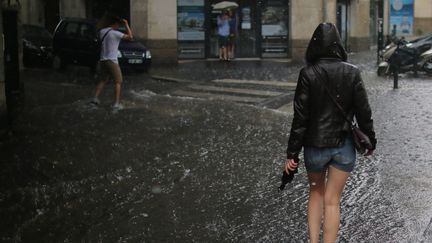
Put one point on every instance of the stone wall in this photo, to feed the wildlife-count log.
(155, 22)
(139, 18)
(359, 25)
(303, 23)
(162, 30)
(33, 12)
(422, 17)
(73, 8)
(422, 26)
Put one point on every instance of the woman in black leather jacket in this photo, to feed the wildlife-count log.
(320, 128)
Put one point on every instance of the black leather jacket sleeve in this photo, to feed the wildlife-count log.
(362, 110)
(301, 117)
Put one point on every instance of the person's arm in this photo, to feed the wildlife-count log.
(219, 21)
(128, 35)
(362, 110)
(301, 117)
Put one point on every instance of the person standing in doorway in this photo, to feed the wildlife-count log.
(109, 68)
(223, 32)
(322, 130)
(233, 33)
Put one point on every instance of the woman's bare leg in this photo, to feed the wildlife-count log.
(315, 204)
(99, 87)
(225, 53)
(335, 184)
(233, 51)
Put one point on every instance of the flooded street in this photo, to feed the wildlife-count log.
(187, 169)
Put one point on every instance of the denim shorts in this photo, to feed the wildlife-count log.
(342, 158)
(223, 41)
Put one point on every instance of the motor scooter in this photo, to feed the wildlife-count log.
(407, 56)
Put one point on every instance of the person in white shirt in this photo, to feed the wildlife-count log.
(108, 64)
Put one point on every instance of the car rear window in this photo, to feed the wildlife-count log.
(70, 29)
(87, 31)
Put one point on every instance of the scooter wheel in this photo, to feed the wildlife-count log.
(427, 67)
(381, 71)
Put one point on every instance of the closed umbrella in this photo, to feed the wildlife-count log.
(224, 5)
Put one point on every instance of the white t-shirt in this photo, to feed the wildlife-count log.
(110, 44)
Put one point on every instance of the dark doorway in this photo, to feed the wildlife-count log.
(376, 12)
(247, 41)
(342, 20)
(97, 8)
(11, 57)
(52, 14)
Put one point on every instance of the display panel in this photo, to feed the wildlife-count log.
(274, 28)
(191, 28)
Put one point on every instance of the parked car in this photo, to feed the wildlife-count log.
(37, 45)
(75, 41)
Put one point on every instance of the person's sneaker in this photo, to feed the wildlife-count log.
(95, 101)
(117, 106)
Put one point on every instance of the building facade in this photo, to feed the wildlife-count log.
(184, 29)
(187, 29)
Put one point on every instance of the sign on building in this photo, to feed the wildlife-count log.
(402, 17)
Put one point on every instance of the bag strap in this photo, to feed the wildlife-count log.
(350, 121)
(103, 38)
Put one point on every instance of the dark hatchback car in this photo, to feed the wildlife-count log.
(37, 45)
(75, 41)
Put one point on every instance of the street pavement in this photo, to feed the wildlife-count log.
(200, 159)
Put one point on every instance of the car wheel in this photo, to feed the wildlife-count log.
(427, 67)
(58, 63)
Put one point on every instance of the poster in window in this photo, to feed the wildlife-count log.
(246, 19)
(401, 16)
(274, 21)
(190, 20)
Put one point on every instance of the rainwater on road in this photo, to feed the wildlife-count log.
(185, 169)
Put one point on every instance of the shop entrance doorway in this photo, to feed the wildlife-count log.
(246, 31)
(11, 58)
(342, 20)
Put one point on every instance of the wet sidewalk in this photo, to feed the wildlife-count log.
(264, 69)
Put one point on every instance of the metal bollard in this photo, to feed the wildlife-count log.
(395, 78)
(416, 55)
(395, 65)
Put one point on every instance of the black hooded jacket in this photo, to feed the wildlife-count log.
(317, 120)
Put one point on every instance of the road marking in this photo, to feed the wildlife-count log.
(212, 96)
(256, 82)
(170, 79)
(235, 90)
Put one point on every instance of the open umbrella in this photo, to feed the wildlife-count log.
(224, 5)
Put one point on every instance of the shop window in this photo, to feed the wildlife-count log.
(191, 28)
(274, 28)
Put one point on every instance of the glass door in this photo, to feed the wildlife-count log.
(244, 27)
(247, 41)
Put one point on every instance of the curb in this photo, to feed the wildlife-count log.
(169, 79)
